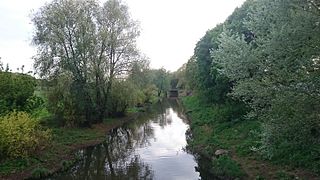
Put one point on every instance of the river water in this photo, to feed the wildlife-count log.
(150, 147)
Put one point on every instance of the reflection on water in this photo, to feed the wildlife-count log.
(152, 147)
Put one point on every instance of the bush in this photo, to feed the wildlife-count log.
(66, 165)
(124, 94)
(291, 131)
(61, 103)
(33, 103)
(150, 94)
(20, 135)
(15, 89)
(40, 172)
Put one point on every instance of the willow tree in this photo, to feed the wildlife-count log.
(89, 43)
(118, 46)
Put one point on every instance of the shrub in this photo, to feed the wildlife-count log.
(150, 94)
(33, 103)
(66, 164)
(21, 135)
(40, 172)
(15, 89)
(124, 94)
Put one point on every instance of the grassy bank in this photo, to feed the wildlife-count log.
(213, 130)
(60, 155)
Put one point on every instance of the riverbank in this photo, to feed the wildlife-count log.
(60, 155)
(231, 146)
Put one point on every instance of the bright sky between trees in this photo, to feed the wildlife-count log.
(169, 28)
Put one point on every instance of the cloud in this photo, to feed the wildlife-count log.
(170, 28)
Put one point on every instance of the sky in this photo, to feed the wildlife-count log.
(170, 29)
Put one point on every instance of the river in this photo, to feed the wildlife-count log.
(150, 147)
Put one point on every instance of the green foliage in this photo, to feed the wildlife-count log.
(292, 113)
(21, 135)
(211, 86)
(265, 55)
(213, 128)
(33, 103)
(62, 144)
(179, 80)
(224, 166)
(15, 89)
(220, 126)
(278, 83)
(14, 165)
(140, 74)
(210, 114)
(40, 172)
(259, 177)
(160, 78)
(145, 80)
(66, 164)
(192, 74)
(281, 175)
(83, 56)
(60, 102)
(150, 93)
(124, 94)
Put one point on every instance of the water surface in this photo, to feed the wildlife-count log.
(151, 147)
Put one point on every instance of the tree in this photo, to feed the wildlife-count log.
(118, 47)
(291, 74)
(92, 44)
(124, 94)
(180, 75)
(192, 74)
(65, 37)
(140, 73)
(161, 80)
(276, 73)
(205, 80)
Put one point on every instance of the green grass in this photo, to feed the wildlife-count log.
(135, 109)
(212, 129)
(224, 166)
(221, 127)
(16, 165)
(68, 136)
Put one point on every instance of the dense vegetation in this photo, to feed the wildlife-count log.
(260, 67)
(16, 91)
(88, 53)
(89, 70)
(254, 81)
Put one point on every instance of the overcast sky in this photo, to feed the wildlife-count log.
(169, 28)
